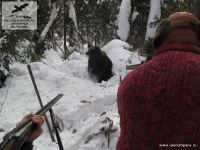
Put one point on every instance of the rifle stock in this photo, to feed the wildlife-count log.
(16, 138)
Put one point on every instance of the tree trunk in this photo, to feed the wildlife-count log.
(64, 18)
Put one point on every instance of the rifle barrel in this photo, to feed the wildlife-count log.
(130, 67)
(48, 105)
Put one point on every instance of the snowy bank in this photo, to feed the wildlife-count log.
(85, 106)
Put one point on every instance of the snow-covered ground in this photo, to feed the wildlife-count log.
(85, 106)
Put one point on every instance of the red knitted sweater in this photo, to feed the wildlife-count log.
(159, 102)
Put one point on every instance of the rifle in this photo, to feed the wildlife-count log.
(130, 67)
(16, 138)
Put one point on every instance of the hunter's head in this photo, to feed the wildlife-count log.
(181, 27)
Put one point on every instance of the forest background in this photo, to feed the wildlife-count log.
(97, 23)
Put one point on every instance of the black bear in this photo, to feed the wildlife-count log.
(99, 64)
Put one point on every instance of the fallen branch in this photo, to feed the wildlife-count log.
(106, 131)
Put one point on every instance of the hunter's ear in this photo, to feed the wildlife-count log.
(161, 33)
(198, 30)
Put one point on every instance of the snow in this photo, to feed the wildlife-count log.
(155, 10)
(85, 106)
(86, 1)
(123, 20)
(134, 15)
(2, 40)
(52, 17)
(72, 14)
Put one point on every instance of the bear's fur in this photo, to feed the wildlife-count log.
(99, 64)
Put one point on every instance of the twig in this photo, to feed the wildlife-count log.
(120, 79)
(36, 58)
(6, 95)
(40, 101)
(84, 101)
(62, 50)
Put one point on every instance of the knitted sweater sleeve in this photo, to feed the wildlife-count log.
(126, 109)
